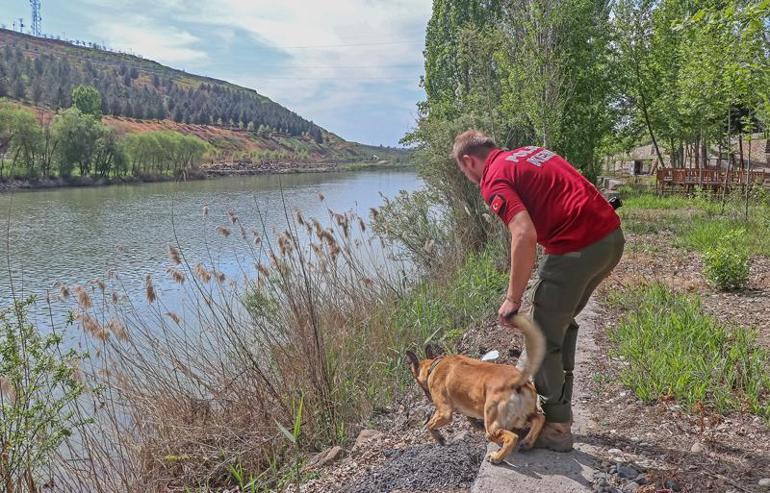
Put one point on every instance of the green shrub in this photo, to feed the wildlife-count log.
(671, 348)
(726, 264)
(39, 385)
(416, 226)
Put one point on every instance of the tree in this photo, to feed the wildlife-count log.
(446, 74)
(78, 135)
(108, 155)
(26, 143)
(87, 100)
(19, 92)
(163, 152)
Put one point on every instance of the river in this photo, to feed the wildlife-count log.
(75, 235)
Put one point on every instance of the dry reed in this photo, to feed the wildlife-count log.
(174, 254)
(184, 402)
(84, 300)
(149, 289)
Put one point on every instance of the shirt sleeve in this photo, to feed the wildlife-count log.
(503, 200)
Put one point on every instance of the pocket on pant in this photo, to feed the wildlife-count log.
(532, 292)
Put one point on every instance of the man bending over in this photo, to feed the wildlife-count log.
(543, 199)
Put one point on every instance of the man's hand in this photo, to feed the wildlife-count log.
(508, 309)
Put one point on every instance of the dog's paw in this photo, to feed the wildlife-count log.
(494, 458)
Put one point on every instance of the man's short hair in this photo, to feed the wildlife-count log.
(472, 143)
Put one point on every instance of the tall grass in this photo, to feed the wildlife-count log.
(447, 308)
(309, 337)
(672, 349)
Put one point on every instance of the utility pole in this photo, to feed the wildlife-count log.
(21, 25)
(36, 18)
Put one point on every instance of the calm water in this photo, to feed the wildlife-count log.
(73, 236)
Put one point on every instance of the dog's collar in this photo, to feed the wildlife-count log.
(427, 377)
(433, 367)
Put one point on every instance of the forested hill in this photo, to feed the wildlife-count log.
(44, 72)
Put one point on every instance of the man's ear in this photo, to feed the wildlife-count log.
(467, 161)
(414, 363)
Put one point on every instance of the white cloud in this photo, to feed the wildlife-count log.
(138, 34)
(337, 54)
(324, 59)
(371, 34)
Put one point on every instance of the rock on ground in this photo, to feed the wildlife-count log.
(326, 457)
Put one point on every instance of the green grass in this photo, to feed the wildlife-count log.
(671, 348)
(646, 201)
(698, 222)
(704, 232)
(436, 311)
(441, 312)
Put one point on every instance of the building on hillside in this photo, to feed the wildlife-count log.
(639, 161)
(642, 160)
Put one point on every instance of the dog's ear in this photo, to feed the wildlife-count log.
(414, 363)
(432, 351)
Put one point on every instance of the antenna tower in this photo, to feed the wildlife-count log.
(36, 18)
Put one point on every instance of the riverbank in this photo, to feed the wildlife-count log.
(247, 168)
(637, 441)
(218, 170)
(20, 184)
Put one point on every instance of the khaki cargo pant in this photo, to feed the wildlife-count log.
(565, 285)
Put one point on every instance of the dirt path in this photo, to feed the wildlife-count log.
(541, 471)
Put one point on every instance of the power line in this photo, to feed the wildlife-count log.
(350, 45)
(343, 78)
(405, 65)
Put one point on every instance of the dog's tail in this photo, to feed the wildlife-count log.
(535, 343)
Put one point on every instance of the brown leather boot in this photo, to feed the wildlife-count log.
(556, 437)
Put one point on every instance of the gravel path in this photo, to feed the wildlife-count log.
(425, 467)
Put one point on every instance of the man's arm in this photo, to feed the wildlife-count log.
(523, 257)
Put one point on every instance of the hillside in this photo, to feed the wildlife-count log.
(140, 95)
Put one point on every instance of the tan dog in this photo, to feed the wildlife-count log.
(501, 395)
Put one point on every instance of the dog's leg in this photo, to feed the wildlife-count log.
(442, 417)
(495, 433)
(536, 423)
(507, 441)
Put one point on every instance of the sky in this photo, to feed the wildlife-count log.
(351, 66)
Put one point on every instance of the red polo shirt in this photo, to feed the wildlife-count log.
(569, 213)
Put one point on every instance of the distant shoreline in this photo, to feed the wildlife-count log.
(222, 170)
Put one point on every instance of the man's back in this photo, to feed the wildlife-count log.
(568, 212)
